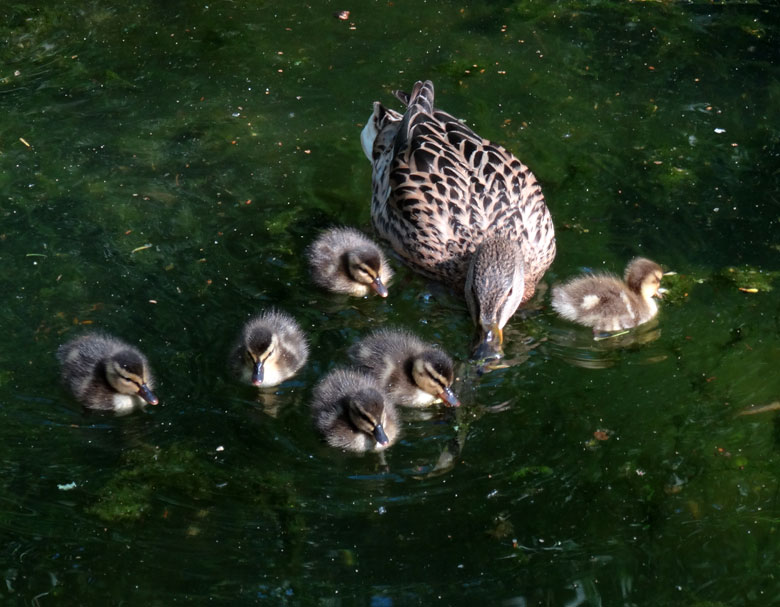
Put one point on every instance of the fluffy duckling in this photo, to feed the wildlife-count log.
(606, 303)
(351, 413)
(344, 260)
(409, 371)
(104, 372)
(271, 349)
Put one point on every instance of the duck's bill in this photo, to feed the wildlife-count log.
(145, 393)
(258, 373)
(490, 345)
(380, 436)
(379, 287)
(449, 398)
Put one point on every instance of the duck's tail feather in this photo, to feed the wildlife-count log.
(419, 107)
(422, 96)
(376, 122)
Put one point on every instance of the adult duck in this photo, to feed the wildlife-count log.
(458, 209)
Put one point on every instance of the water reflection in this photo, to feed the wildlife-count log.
(579, 347)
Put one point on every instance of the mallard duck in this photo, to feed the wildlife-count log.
(104, 372)
(351, 413)
(344, 260)
(270, 349)
(444, 198)
(606, 303)
(409, 371)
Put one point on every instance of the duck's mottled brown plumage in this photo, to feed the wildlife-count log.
(439, 190)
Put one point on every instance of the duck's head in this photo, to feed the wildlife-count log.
(495, 284)
(643, 277)
(364, 266)
(432, 372)
(367, 413)
(128, 373)
(260, 346)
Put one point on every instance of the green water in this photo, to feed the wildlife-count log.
(225, 135)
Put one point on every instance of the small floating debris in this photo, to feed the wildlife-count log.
(66, 487)
(608, 335)
(148, 245)
(751, 280)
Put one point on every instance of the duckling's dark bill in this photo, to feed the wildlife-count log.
(449, 398)
(258, 373)
(380, 436)
(145, 393)
(379, 287)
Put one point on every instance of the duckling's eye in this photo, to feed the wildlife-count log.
(366, 272)
(128, 381)
(366, 419)
(436, 378)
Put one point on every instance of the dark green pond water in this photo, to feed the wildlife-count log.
(225, 135)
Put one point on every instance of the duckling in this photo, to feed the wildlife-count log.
(344, 260)
(606, 303)
(410, 372)
(351, 413)
(270, 349)
(106, 373)
(441, 192)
